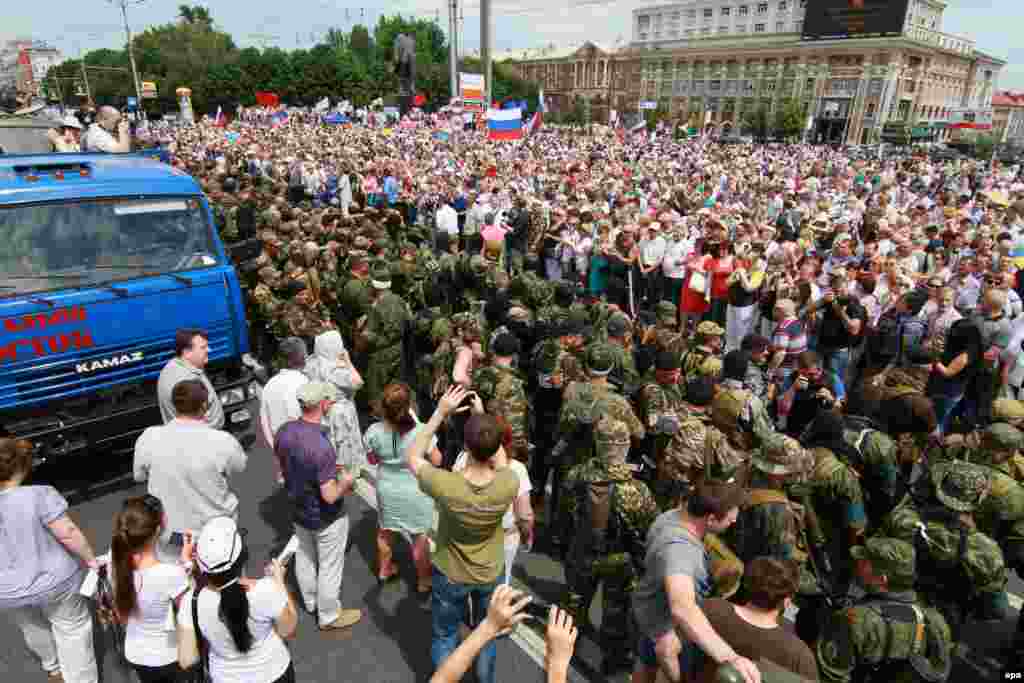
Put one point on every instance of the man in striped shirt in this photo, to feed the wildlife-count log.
(789, 340)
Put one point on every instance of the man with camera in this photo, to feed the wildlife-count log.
(101, 136)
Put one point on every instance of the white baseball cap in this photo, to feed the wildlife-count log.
(219, 545)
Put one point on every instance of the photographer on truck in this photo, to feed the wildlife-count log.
(111, 133)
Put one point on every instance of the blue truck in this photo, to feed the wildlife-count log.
(102, 259)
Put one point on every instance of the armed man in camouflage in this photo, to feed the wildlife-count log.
(382, 336)
(582, 400)
(667, 336)
(704, 359)
(771, 524)
(965, 573)
(682, 462)
(503, 392)
(609, 514)
(619, 340)
(662, 404)
(890, 635)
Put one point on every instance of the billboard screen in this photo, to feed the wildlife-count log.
(839, 19)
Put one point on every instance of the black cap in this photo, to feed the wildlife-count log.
(700, 391)
(505, 344)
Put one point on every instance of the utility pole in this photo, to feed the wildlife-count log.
(485, 49)
(453, 46)
(123, 4)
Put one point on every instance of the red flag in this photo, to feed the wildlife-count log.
(419, 100)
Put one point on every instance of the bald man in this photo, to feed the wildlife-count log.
(101, 135)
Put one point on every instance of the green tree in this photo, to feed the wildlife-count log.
(757, 122)
(790, 116)
(361, 43)
(984, 146)
(194, 14)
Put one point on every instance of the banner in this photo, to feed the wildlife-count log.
(267, 99)
(471, 91)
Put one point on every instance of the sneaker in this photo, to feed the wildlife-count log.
(346, 618)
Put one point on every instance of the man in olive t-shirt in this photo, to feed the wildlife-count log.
(470, 538)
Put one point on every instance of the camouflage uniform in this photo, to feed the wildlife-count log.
(682, 461)
(879, 469)
(962, 561)
(581, 396)
(740, 415)
(354, 304)
(610, 548)
(772, 525)
(701, 361)
(886, 636)
(383, 336)
(503, 393)
(667, 336)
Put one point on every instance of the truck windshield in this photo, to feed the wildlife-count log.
(92, 242)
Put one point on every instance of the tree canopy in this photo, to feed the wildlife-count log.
(194, 52)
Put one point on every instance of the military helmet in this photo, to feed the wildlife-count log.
(892, 557)
(959, 486)
(600, 359)
(709, 328)
(666, 311)
(380, 275)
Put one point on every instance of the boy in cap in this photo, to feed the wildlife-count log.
(317, 487)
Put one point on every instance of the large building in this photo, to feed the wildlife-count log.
(24, 63)
(888, 71)
(1008, 118)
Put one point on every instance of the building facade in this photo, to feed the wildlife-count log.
(24, 63)
(713, 63)
(1008, 118)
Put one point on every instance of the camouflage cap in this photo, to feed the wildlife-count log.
(611, 438)
(600, 359)
(380, 275)
(1008, 410)
(959, 486)
(709, 329)
(780, 454)
(1002, 437)
(889, 556)
(665, 310)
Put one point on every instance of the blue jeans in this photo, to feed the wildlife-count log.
(447, 605)
(945, 406)
(837, 363)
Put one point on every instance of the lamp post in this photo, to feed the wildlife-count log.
(123, 4)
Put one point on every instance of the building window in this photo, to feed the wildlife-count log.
(715, 86)
(723, 29)
(705, 31)
(758, 28)
(743, 10)
(741, 29)
(783, 5)
(770, 86)
(871, 109)
(798, 26)
(708, 12)
(780, 27)
(689, 31)
(726, 11)
(762, 8)
(691, 14)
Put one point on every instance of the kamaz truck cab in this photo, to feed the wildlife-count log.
(102, 258)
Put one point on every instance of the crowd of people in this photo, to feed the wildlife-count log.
(717, 380)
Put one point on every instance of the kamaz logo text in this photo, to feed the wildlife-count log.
(114, 362)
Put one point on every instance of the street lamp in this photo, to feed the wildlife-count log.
(123, 4)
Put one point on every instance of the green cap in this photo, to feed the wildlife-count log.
(960, 486)
(380, 275)
(781, 454)
(665, 310)
(1002, 437)
(894, 558)
(600, 359)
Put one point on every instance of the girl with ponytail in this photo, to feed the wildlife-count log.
(243, 621)
(147, 592)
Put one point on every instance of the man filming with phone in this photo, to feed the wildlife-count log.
(470, 553)
(111, 133)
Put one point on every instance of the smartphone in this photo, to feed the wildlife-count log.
(538, 609)
(177, 539)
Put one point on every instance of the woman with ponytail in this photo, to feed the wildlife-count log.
(146, 591)
(243, 621)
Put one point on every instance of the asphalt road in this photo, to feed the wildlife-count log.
(391, 644)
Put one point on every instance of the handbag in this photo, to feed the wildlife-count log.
(200, 671)
(107, 613)
(698, 282)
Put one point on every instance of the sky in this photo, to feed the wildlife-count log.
(91, 24)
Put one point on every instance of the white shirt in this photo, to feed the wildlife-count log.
(447, 220)
(278, 403)
(673, 264)
(508, 521)
(99, 139)
(268, 658)
(147, 639)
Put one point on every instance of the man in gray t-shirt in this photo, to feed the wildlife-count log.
(666, 604)
(191, 352)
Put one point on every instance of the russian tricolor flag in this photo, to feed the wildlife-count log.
(505, 124)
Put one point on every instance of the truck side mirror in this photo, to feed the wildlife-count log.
(247, 250)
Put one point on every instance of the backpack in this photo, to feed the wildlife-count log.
(929, 661)
(597, 526)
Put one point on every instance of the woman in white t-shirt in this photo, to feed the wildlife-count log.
(146, 591)
(243, 621)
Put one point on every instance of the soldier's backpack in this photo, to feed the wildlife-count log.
(596, 525)
(545, 361)
(690, 366)
(930, 659)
